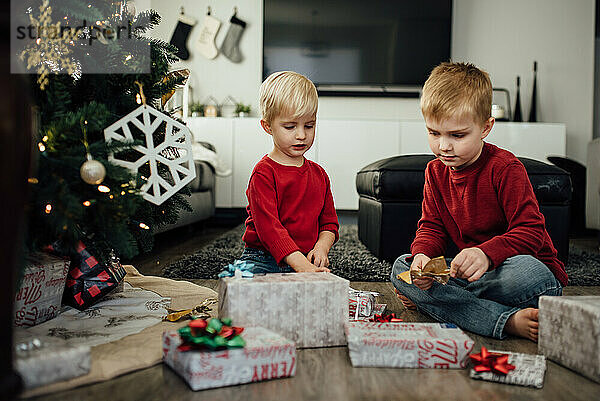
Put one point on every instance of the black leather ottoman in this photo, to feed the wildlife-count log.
(391, 191)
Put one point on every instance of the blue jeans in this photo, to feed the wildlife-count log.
(485, 305)
(263, 261)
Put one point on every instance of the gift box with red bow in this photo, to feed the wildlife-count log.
(407, 345)
(39, 296)
(310, 309)
(570, 332)
(228, 357)
(509, 368)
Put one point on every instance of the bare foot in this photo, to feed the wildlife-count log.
(408, 304)
(524, 323)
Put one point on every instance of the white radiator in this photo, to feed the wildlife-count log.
(592, 201)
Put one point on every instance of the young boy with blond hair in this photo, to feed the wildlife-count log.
(291, 222)
(478, 196)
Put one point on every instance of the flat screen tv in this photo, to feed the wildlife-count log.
(357, 43)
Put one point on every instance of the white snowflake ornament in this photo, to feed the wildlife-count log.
(170, 162)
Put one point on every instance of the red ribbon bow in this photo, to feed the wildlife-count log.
(495, 362)
(391, 318)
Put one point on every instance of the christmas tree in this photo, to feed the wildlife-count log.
(107, 210)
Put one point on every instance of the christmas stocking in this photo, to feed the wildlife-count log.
(230, 46)
(206, 43)
(180, 35)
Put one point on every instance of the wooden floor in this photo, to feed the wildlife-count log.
(326, 374)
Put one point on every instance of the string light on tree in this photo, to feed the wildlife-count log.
(103, 188)
(48, 208)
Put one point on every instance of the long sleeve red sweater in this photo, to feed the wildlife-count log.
(288, 207)
(489, 205)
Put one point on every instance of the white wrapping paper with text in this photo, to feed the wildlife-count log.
(407, 345)
(266, 356)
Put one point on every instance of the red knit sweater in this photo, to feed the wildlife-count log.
(490, 205)
(288, 207)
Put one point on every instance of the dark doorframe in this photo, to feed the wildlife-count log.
(15, 150)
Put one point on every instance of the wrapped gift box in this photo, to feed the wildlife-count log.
(310, 309)
(529, 370)
(407, 345)
(267, 355)
(39, 296)
(46, 362)
(570, 332)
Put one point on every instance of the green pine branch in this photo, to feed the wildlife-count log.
(63, 207)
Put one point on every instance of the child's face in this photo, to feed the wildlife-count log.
(457, 142)
(292, 137)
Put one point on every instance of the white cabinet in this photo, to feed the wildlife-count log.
(533, 140)
(250, 144)
(413, 137)
(218, 132)
(343, 147)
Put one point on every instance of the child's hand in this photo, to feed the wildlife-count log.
(469, 264)
(419, 261)
(318, 256)
(300, 263)
(310, 268)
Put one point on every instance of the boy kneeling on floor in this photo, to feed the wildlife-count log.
(291, 222)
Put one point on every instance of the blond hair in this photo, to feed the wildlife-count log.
(287, 93)
(457, 90)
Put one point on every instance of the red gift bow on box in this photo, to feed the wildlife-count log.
(391, 318)
(496, 362)
(213, 334)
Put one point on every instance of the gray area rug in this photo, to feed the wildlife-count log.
(348, 258)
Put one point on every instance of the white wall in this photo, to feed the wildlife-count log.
(218, 77)
(506, 37)
(597, 89)
(503, 37)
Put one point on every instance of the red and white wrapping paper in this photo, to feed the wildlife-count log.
(570, 332)
(361, 304)
(266, 356)
(408, 345)
(310, 309)
(39, 296)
